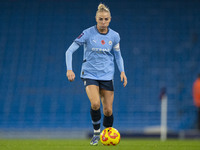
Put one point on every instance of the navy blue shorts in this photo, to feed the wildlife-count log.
(102, 84)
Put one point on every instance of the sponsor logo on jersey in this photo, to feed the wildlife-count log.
(101, 49)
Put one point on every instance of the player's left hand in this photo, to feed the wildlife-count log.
(123, 78)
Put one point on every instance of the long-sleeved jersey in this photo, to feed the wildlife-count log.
(98, 61)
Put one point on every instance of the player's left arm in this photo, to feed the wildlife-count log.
(120, 63)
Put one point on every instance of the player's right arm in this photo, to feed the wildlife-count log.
(80, 40)
(68, 55)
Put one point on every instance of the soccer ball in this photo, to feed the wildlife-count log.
(110, 136)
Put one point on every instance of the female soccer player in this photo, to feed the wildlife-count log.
(98, 67)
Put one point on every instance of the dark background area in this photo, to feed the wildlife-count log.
(159, 44)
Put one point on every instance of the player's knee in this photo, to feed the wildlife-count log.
(95, 105)
(107, 111)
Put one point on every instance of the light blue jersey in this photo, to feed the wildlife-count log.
(98, 61)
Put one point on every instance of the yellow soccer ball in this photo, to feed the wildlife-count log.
(110, 136)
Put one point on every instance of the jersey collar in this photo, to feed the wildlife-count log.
(101, 33)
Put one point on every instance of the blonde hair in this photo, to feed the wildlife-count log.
(103, 8)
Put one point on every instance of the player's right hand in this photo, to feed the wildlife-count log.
(70, 75)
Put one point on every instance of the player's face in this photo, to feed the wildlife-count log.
(103, 20)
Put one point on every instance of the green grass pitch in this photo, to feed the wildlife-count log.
(83, 144)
